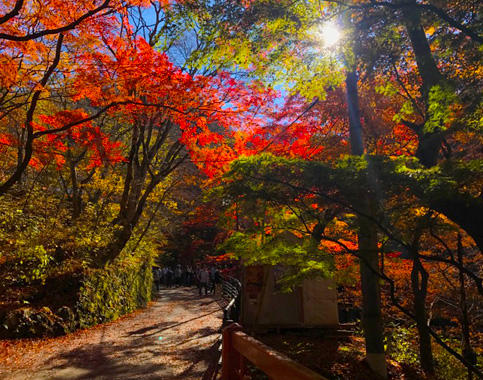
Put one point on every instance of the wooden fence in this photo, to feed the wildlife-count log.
(231, 293)
(240, 348)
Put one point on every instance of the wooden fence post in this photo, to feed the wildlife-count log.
(230, 357)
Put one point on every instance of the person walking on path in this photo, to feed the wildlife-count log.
(213, 271)
(189, 276)
(204, 278)
(169, 277)
(217, 280)
(177, 275)
(157, 278)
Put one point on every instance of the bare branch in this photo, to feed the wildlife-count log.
(14, 12)
(72, 25)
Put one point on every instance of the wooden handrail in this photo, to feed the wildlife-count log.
(239, 347)
(231, 292)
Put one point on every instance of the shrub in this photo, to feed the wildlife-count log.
(120, 288)
(402, 346)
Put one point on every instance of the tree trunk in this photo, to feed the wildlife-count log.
(419, 283)
(152, 157)
(427, 67)
(467, 350)
(119, 241)
(355, 128)
(76, 196)
(464, 211)
(29, 139)
(429, 143)
(20, 150)
(372, 322)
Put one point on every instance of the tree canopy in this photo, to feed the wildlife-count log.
(135, 129)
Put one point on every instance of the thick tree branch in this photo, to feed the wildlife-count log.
(15, 177)
(427, 7)
(72, 25)
(14, 12)
(451, 21)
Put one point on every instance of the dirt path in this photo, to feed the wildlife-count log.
(172, 339)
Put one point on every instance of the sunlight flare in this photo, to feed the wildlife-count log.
(330, 34)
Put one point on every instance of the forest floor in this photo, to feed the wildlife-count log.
(173, 338)
(333, 355)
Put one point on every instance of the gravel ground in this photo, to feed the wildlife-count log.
(173, 338)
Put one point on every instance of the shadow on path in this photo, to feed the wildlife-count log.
(160, 327)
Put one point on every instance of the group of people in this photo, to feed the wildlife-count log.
(204, 276)
(173, 276)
